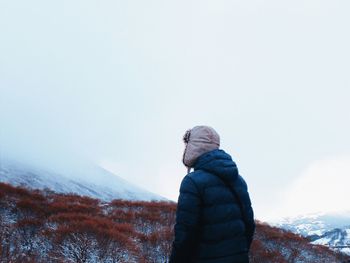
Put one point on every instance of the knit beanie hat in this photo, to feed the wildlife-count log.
(199, 140)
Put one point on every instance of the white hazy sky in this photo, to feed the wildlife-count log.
(118, 82)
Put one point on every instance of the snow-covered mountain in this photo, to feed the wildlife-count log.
(330, 229)
(338, 239)
(91, 180)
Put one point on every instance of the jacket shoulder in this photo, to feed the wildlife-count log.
(240, 182)
(203, 179)
(188, 185)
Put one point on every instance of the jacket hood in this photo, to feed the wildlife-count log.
(218, 162)
(199, 140)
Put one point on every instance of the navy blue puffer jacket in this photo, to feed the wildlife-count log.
(209, 224)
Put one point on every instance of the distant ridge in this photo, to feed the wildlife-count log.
(92, 181)
(331, 229)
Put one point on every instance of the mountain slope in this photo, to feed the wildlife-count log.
(337, 239)
(277, 245)
(88, 180)
(329, 229)
(41, 226)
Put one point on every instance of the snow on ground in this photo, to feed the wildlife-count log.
(92, 181)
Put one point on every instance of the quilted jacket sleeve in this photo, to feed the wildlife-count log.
(251, 224)
(187, 222)
(249, 214)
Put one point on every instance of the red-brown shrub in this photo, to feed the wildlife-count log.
(72, 228)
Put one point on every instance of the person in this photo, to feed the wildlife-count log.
(214, 216)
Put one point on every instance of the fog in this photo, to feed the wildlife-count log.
(117, 83)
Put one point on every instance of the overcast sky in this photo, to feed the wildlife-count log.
(119, 82)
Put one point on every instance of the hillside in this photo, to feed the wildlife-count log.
(331, 229)
(87, 180)
(273, 244)
(43, 226)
